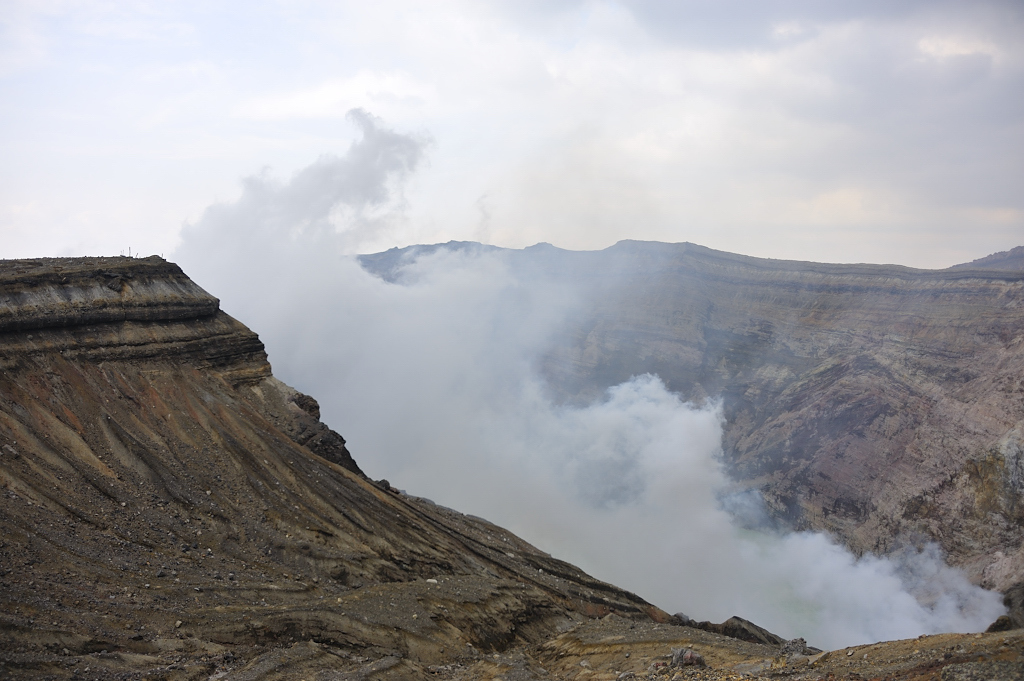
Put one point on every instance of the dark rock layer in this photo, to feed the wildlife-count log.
(1012, 259)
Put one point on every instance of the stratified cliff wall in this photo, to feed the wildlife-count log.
(69, 292)
(880, 403)
(96, 309)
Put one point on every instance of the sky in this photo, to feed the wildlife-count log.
(888, 132)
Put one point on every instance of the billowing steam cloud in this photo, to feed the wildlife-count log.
(434, 382)
(337, 203)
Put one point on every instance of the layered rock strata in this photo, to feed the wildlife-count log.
(1012, 259)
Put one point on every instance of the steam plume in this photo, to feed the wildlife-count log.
(434, 382)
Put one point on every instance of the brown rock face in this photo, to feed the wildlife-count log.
(1012, 259)
(167, 505)
(880, 403)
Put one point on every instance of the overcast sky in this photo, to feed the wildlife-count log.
(830, 131)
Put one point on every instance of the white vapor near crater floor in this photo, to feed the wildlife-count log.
(434, 381)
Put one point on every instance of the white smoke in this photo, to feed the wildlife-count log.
(435, 384)
(336, 204)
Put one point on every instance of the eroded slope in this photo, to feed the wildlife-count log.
(165, 502)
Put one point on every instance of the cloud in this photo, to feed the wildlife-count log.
(341, 203)
(942, 47)
(738, 24)
(335, 97)
(582, 121)
(435, 382)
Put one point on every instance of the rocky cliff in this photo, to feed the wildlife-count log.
(880, 403)
(163, 497)
(1012, 259)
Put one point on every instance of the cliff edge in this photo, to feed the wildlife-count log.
(163, 497)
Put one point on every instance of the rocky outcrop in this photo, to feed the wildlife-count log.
(98, 309)
(1012, 259)
(76, 292)
(745, 630)
(880, 403)
(136, 310)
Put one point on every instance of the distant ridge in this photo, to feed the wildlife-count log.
(1012, 259)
